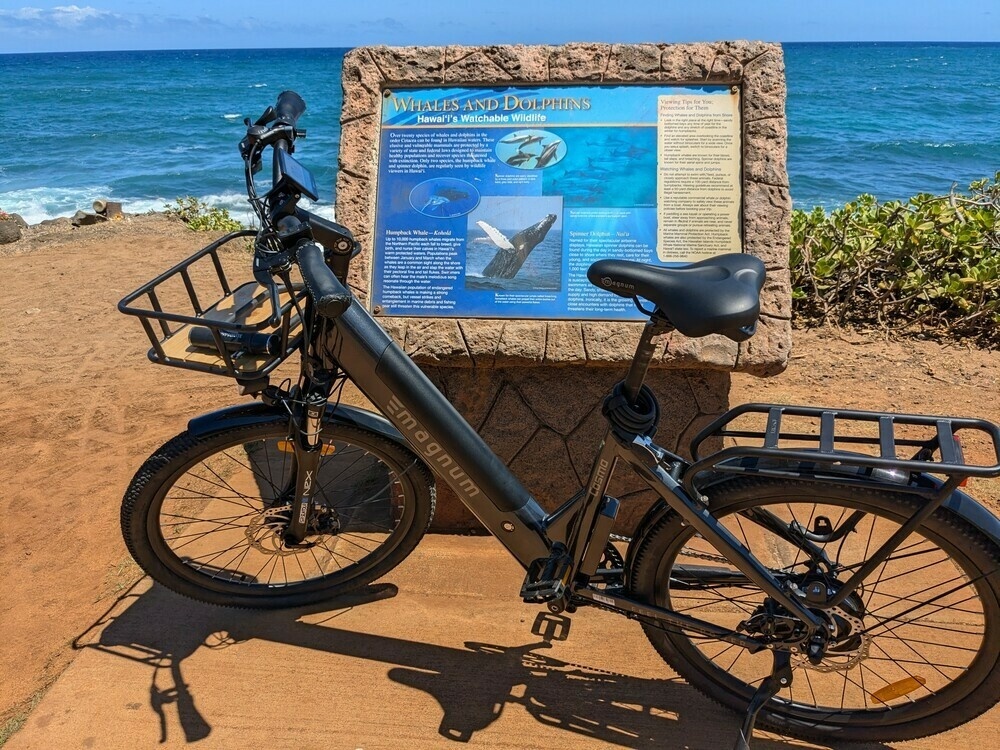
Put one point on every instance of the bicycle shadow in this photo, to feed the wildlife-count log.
(473, 685)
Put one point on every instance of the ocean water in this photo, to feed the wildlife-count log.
(146, 127)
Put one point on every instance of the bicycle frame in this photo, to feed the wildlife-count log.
(457, 454)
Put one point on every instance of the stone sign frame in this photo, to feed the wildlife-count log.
(756, 67)
(486, 366)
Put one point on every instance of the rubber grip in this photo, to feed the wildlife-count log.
(329, 296)
(290, 107)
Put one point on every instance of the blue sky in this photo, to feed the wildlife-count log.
(32, 26)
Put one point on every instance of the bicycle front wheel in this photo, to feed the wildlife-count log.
(205, 516)
(915, 650)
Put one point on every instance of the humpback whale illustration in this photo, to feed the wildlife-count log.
(514, 251)
(441, 197)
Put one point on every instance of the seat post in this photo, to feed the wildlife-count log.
(656, 326)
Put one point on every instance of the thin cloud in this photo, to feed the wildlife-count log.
(68, 17)
(90, 26)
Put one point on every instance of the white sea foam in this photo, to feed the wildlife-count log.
(320, 209)
(232, 116)
(39, 204)
(259, 86)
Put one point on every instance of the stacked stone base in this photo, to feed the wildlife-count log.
(546, 424)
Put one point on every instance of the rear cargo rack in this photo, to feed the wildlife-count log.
(828, 441)
(201, 338)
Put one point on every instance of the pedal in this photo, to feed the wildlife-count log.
(547, 577)
(551, 627)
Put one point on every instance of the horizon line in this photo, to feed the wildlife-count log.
(347, 47)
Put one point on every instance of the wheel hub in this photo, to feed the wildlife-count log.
(844, 646)
(266, 531)
(847, 645)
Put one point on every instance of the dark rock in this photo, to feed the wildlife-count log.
(62, 221)
(82, 218)
(10, 231)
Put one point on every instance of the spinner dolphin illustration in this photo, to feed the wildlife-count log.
(548, 153)
(514, 251)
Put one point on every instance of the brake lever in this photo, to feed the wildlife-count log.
(269, 116)
(264, 268)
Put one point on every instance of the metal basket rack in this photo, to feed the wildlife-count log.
(205, 337)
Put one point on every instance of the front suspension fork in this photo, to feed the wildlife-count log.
(308, 447)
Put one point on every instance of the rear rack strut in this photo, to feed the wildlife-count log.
(940, 454)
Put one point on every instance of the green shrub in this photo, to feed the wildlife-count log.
(201, 217)
(931, 264)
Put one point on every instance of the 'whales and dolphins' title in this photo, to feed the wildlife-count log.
(508, 108)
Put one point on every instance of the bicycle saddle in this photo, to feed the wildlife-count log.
(717, 295)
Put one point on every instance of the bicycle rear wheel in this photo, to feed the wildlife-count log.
(916, 649)
(204, 516)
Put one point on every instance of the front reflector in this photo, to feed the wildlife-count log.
(286, 446)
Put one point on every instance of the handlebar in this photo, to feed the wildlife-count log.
(248, 343)
(330, 298)
(289, 228)
(289, 108)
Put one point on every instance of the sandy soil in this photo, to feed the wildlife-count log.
(82, 408)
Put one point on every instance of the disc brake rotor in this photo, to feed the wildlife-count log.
(839, 659)
(265, 531)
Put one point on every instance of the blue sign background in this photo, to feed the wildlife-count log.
(464, 173)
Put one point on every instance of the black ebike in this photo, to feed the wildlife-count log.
(827, 574)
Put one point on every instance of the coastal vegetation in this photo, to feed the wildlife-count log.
(929, 265)
(201, 217)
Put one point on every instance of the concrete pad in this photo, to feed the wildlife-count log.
(438, 653)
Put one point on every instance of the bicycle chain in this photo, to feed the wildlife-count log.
(707, 556)
(798, 660)
(553, 668)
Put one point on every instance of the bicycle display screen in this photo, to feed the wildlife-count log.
(297, 175)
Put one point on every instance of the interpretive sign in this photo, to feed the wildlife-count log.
(494, 202)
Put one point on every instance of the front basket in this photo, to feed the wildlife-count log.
(215, 337)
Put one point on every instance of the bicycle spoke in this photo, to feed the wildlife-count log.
(919, 585)
(251, 470)
(188, 520)
(223, 498)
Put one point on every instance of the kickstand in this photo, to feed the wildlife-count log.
(780, 678)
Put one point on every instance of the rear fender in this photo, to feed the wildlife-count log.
(962, 505)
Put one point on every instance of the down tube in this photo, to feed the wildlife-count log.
(450, 447)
